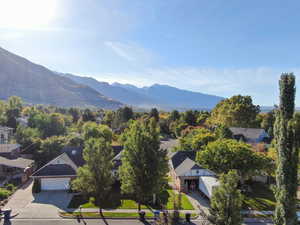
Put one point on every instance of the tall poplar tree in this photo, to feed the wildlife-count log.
(144, 165)
(287, 144)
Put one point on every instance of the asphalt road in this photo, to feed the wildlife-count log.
(86, 222)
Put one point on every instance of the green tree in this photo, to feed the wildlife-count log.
(144, 164)
(226, 201)
(223, 132)
(75, 113)
(154, 114)
(88, 115)
(175, 115)
(50, 148)
(223, 155)
(93, 130)
(287, 145)
(189, 117)
(25, 136)
(267, 122)
(13, 111)
(237, 111)
(95, 177)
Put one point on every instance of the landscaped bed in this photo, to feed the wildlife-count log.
(79, 200)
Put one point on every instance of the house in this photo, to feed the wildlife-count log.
(12, 166)
(250, 135)
(59, 172)
(5, 134)
(190, 176)
(10, 151)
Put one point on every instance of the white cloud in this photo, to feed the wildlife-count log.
(131, 52)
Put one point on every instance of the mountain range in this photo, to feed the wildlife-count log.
(157, 95)
(38, 85)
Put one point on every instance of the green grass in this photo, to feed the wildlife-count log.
(112, 215)
(261, 198)
(168, 197)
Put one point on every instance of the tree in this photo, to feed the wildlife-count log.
(88, 115)
(25, 136)
(50, 148)
(223, 155)
(226, 201)
(154, 114)
(287, 145)
(93, 130)
(175, 115)
(95, 178)
(237, 111)
(195, 139)
(13, 111)
(75, 113)
(144, 164)
(223, 132)
(189, 117)
(267, 122)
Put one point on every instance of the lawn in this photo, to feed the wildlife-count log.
(261, 198)
(131, 204)
(111, 215)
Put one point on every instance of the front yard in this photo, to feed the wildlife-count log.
(261, 198)
(118, 202)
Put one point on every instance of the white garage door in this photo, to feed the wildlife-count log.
(51, 184)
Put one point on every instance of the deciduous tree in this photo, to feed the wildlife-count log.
(144, 164)
(226, 201)
(95, 178)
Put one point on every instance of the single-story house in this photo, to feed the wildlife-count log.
(189, 175)
(58, 173)
(250, 135)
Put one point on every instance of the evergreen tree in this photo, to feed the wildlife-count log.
(95, 178)
(226, 201)
(287, 144)
(154, 114)
(144, 164)
(175, 115)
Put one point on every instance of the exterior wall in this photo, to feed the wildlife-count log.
(200, 172)
(63, 159)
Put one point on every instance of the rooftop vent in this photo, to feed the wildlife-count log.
(73, 152)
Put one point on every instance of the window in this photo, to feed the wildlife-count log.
(197, 171)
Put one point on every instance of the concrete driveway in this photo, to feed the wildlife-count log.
(44, 205)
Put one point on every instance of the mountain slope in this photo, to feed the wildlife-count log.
(121, 94)
(39, 85)
(174, 97)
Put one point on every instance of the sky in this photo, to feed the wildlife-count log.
(220, 47)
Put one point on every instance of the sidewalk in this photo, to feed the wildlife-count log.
(127, 210)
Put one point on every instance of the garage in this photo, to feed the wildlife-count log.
(52, 184)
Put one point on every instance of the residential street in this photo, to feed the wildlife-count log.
(88, 222)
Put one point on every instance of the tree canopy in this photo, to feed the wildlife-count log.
(144, 164)
(223, 155)
(237, 111)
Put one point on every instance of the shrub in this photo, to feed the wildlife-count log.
(4, 193)
(10, 187)
(36, 186)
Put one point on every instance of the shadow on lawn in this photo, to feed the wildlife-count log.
(114, 200)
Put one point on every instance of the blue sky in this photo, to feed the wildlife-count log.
(216, 47)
